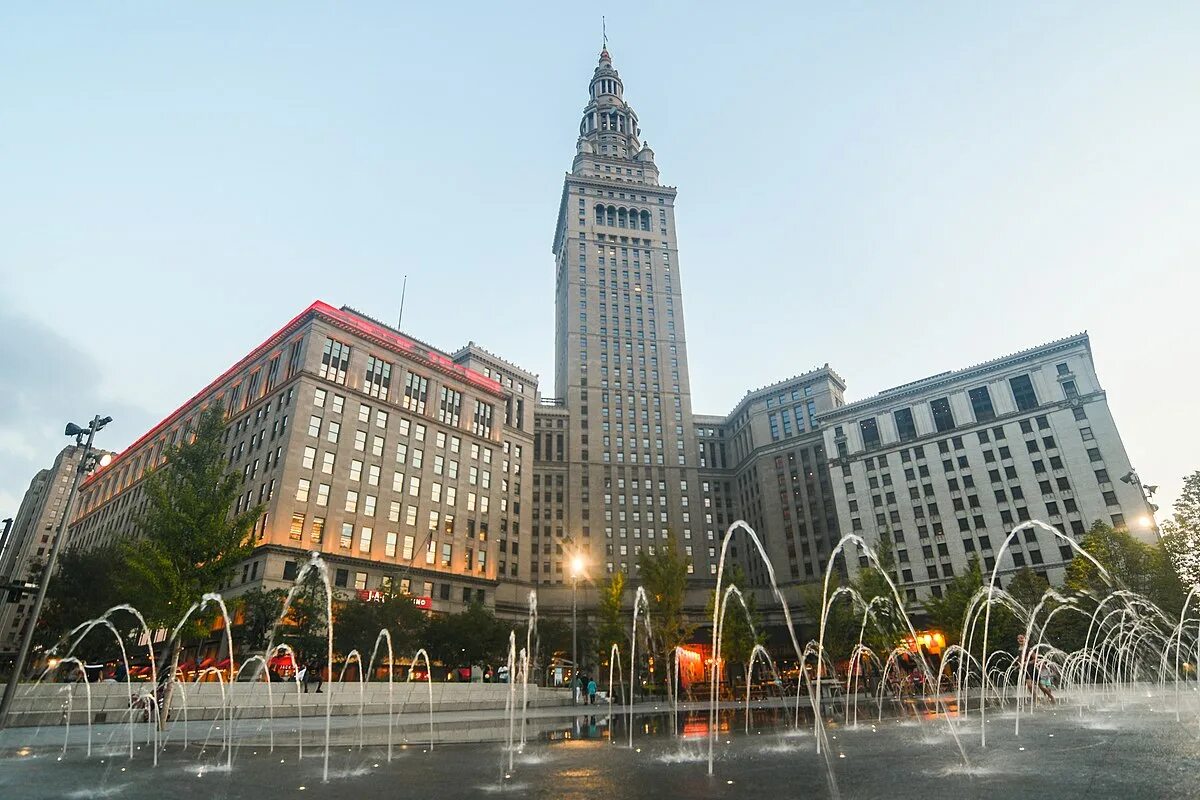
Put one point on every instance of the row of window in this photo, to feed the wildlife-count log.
(1024, 397)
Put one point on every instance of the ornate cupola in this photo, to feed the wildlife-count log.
(609, 126)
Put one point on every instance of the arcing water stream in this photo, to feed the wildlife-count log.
(1131, 649)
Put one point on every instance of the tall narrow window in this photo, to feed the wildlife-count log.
(272, 373)
(416, 390)
(449, 407)
(294, 360)
(335, 358)
(943, 418)
(1023, 394)
(378, 380)
(981, 404)
(905, 426)
(870, 433)
(483, 419)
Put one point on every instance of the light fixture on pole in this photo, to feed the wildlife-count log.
(1145, 521)
(88, 461)
(577, 567)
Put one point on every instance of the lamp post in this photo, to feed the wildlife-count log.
(1146, 492)
(576, 570)
(86, 464)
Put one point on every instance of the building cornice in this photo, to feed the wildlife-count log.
(925, 385)
(755, 394)
(471, 348)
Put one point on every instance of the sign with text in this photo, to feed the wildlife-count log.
(378, 596)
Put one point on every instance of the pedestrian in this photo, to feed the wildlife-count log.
(1046, 680)
(591, 690)
(314, 674)
(1030, 666)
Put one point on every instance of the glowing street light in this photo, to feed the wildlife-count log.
(578, 565)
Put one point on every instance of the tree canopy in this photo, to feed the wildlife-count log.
(1181, 533)
(612, 623)
(357, 623)
(86, 584)
(743, 627)
(189, 541)
(473, 636)
(663, 574)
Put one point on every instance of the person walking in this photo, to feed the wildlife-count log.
(1030, 667)
(591, 691)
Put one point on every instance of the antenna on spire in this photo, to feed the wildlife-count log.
(604, 30)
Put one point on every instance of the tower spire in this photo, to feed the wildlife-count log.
(604, 31)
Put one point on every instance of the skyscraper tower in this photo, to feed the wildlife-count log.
(621, 365)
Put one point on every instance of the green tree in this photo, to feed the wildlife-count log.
(841, 622)
(1181, 533)
(664, 574)
(1131, 564)
(612, 623)
(357, 624)
(1122, 556)
(1163, 585)
(947, 613)
(189, 540)
(1027, 587)
(85, 585)
(552, 640)
(885, 627)
(256, 613)
(305, 628)
(743, 628)
(473, 636)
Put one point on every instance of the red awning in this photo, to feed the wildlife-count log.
(224, 663)
(208, 662)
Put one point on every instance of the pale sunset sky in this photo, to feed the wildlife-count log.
(897, 189)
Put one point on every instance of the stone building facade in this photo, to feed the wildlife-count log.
(33, 532)
(402, 465)
(943, 468)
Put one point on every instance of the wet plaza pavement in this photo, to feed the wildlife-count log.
(1135, 752)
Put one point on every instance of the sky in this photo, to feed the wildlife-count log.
(896, 189)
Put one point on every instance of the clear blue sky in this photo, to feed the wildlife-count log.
(896, 189)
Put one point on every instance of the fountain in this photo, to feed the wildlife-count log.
(1130, 664)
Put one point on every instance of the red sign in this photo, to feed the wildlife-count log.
(377, 596)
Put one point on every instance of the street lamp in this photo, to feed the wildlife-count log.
(1144, 521)
(577, 567)
(87, 462)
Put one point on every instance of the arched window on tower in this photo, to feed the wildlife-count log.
(612, 215)
(645, 215)
(621, 218)
(599, 214)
